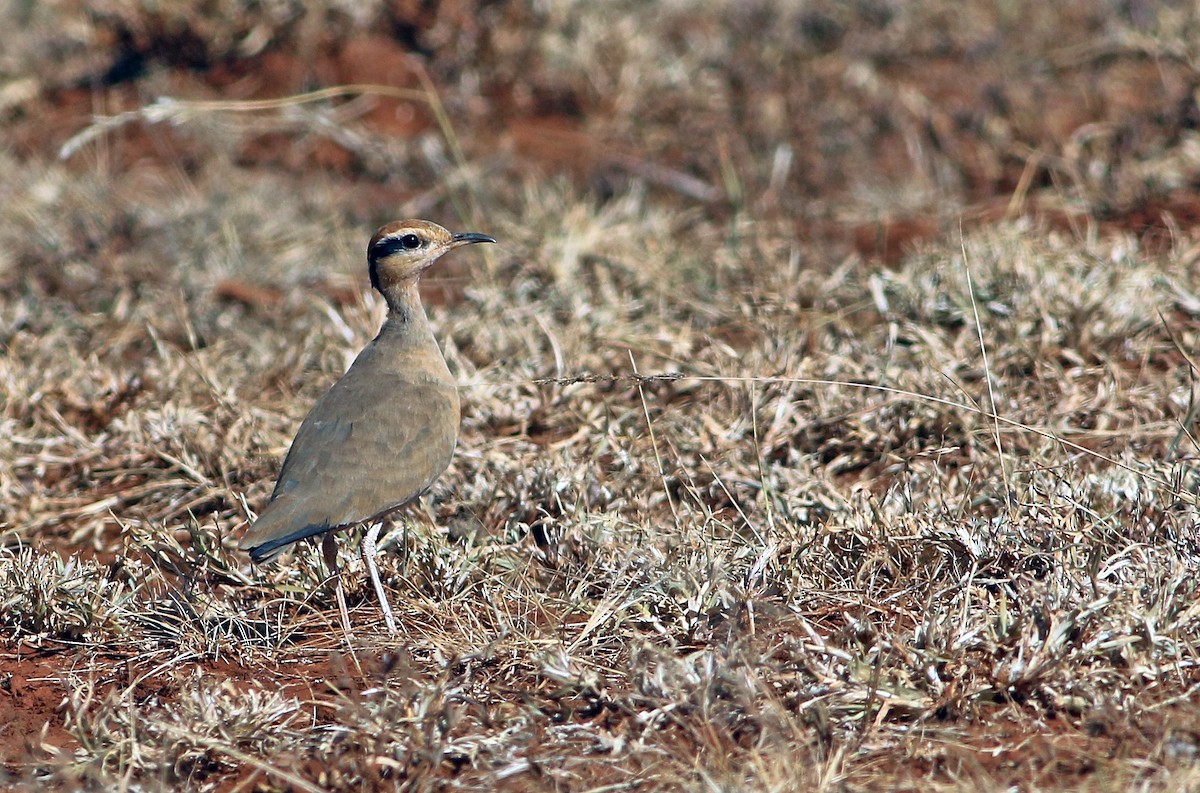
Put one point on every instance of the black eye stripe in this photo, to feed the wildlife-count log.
(393, 244)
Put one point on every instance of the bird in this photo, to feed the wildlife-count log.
(384, 432)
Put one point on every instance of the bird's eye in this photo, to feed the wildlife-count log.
(410, 241)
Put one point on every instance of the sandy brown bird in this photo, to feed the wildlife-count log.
(384, 432)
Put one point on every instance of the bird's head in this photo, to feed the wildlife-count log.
(402, 250)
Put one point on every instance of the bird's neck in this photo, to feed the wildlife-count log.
(406, 343)
(404, 303)
(406, 322)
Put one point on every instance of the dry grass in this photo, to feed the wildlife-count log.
(804, 557)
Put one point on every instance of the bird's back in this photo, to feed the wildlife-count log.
(375, 441)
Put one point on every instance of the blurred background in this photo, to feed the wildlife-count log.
(868, 125)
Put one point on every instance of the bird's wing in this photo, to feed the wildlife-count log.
(369, 445)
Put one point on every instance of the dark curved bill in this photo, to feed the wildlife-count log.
(466, 237)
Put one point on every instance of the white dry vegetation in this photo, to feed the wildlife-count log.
(733, 577)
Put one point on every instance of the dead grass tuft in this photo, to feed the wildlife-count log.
(65, 599)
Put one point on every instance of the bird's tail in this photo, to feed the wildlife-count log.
(276, 528)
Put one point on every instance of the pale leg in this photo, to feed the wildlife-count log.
(329, 548)
(368, 555)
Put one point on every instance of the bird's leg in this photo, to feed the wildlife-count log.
(368, 555)
(329, 549)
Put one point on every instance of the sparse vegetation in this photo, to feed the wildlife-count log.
(731, 509)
